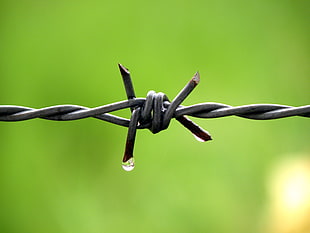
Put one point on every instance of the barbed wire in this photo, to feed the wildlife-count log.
(153, 112)
(201, 110)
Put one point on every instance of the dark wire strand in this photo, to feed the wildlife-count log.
(202, 110)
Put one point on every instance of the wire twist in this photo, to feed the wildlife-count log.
(202, 110)
(153, 112)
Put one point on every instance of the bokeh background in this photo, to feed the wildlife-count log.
(66, 177)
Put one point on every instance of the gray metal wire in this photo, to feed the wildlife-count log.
(153, 112)
(202, 110)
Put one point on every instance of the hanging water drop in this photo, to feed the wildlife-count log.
(129, 165)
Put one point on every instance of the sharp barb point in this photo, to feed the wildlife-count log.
(196, 78)
(123, 69)
(196, 130)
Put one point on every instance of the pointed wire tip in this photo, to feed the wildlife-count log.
(123, 69)
(207, 138)
(196, 78)
(202, 135)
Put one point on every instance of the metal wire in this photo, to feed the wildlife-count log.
(153, 112)
(202, 110)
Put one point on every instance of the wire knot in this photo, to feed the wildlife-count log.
(153, 112)
(156, 114)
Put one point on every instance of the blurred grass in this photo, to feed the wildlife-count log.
(66, 176)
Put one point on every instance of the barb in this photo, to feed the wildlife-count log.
(153, 112)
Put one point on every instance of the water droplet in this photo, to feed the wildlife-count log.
(129, 165)
(198, 138)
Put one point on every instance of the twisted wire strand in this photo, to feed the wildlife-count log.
(201, 110)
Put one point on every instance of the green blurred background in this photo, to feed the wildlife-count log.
(66, 177)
